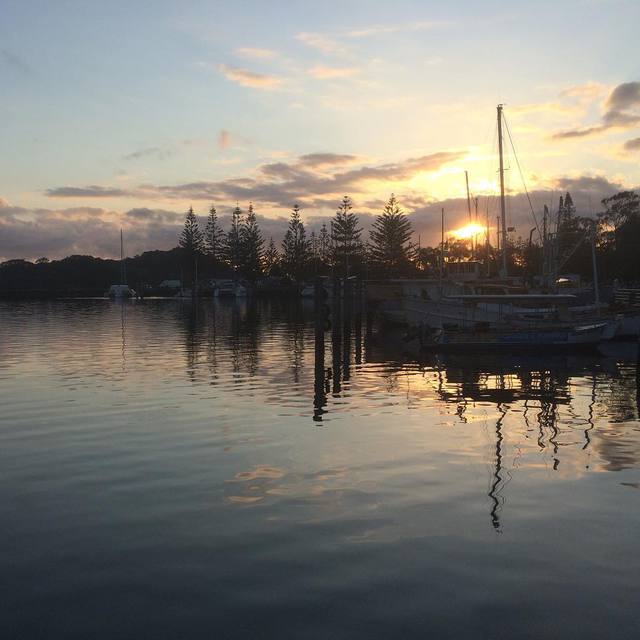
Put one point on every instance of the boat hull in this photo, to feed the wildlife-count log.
(583, 338)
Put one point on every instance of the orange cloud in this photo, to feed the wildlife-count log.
(248, 78)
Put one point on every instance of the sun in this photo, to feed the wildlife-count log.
(468, 232)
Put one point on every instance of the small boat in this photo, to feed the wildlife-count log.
(228, 289)
(511, 339)
(120, 291)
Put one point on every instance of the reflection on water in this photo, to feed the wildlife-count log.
(259, 467)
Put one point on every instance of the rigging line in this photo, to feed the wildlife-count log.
(524, 184)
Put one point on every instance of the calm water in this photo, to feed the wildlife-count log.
(171, 471)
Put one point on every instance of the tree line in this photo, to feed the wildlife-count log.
(337, 249)
(340, 249)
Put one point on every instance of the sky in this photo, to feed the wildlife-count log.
(124, 114)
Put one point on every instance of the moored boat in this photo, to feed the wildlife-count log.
(510, 339)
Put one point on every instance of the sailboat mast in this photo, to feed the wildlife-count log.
(441, 248)
(121, 259)
(466, 177)
(503, 214)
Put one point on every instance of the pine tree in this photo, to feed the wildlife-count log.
(233, 240)
(296, 249)
(569, 226)
(214, 236)
(345, 238)
(324, 244)
(252, 245)
(191, 237)
(390, 239)
(271, 258)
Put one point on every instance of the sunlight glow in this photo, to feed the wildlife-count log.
(469, 231)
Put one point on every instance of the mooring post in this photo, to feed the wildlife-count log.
(319, 396)
(357, 321)
(346, 333)
(336, 334)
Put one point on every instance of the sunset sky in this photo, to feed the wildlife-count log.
(123, 114)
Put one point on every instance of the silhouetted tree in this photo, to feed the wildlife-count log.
(390, 240)
(233, 241)
(192, 243)
(252, 245)
(296, 249)
(191, 237)
(345, 238)
(620, 234)
(570, 227)
(324, 244)
(214, 236)
(271, 258)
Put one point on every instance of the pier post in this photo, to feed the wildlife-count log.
(319, 395)
(336, 335)
(357, 321)
(347, 304)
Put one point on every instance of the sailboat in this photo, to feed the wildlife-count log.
(461, 310)
(122, 290)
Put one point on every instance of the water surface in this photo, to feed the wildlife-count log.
(171, 470)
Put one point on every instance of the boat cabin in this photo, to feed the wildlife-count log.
(464, 270)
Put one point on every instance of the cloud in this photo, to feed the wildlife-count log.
(90, 191)
(322, 42)
(588, 184)
(616, 116)
(578, 133)
(157, 152)
(376, 30)
(624, 96)
(55, 233)
(333, 44)
(248, 78)
(632, 145)
(327, 159)
(280, 184)
(15, 63)
(224, 140)
(256, 53)
(586, 91)
(323, 72)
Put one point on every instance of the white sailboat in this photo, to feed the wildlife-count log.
(122, 290)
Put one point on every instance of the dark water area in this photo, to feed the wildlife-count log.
(171, 470)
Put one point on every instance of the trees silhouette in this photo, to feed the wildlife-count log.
(390, 248)
(252, 244)
(192, 242)
(345, 239)
(270, 259)
(191, 239)
(620, 234)
(214, 236)
(233, 241)
(296, 249)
